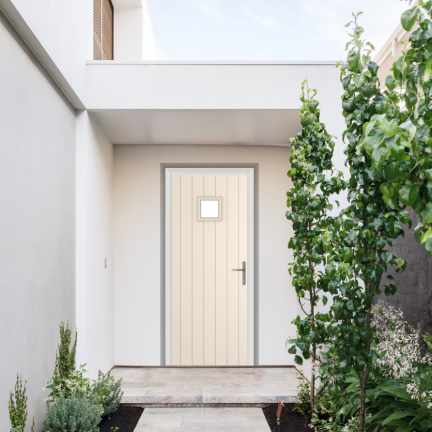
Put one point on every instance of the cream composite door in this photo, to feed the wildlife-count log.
(209, 301)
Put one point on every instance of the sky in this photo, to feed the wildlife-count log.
(267, 29)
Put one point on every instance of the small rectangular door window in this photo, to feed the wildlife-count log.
(209, 209)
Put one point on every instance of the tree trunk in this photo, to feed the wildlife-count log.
(362, 413)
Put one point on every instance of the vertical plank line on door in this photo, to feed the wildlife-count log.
(192, 281)
(227, 270)
(215, 302)
(203, 306)
(180, 212)
(240, 266)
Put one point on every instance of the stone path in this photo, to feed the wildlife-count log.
(202, 420)
(207, 386)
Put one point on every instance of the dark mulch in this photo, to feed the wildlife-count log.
(292, 421)
(125, 418)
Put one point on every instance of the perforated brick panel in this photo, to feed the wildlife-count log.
(103, 30)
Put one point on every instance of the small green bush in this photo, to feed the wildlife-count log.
(108, 392)
(303, 391)
(18, 408)
(72, 414)
(65, 361)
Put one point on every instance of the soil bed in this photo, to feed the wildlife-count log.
(292, 421)
(125, 418)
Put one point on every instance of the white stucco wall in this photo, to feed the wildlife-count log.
(137, 246)
(133, 32)
(95, 289)
(37, 223)
(64, 29)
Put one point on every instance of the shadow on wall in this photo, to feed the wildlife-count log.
(414, 286)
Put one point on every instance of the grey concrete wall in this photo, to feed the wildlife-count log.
(37, 222)
(414, 294)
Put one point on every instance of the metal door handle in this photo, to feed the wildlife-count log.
(243, 269)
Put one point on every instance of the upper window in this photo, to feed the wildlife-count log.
(103, 30)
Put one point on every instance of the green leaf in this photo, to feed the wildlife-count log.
(379, 156)
(404, 217)
(373, 141)
(354, 339)
(389, 82)
(354, 60)
(387, 256)
(298, 360)
(392, 171)
(292, 350)
(428, 71)
(324, 300)
(330, 271)
(398, 415)
(408, 194)
(352, 305)
(347, 255)
(304, 328)
(408, 18)
(426, 235)
(389, 128)
(404, 428)
(428, 245)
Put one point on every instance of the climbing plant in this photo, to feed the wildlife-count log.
(409, 168)
(358, 255)
(314, 180)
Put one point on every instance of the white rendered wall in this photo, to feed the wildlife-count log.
(37, 223)
(137, 245)
(133, 32)
(65, 30)
(95, 289)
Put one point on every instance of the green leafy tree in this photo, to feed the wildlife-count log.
(309, 199)
(359, 258)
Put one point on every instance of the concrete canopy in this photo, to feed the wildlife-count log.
(160, 102)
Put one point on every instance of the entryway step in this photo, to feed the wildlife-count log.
(202, 420)
(207, 386)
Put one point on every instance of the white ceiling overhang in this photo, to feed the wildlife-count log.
(251, 103)
(250, 127)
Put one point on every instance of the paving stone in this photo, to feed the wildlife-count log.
(208, 385)
(202, 419)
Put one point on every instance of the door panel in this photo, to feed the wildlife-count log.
(175, 271)
(198, 276)
(209, 278)
(221, 277)
(209, 301)
(186, 268)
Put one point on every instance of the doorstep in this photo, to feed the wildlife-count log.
(207, 387)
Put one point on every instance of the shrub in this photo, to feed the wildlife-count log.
(65, 362)
(72, 414)
(303, 391)
(326, 417)
(76, 384)
(403, 355)
(108, 392)
(18, 407)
